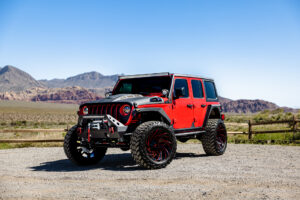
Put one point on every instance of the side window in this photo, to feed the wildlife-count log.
(210, 90)
(197, 89)
(182, 83)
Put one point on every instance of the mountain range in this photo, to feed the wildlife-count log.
(16, 84)
(86, 80)
(14, 79)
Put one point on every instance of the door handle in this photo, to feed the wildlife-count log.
(203, 105)
(189, 105)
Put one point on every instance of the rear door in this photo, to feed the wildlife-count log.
(199, 102)
(183, 114)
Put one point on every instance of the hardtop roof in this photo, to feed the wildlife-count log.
(162, 74)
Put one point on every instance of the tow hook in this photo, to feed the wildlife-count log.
(88, 152)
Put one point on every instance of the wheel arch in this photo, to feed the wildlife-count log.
(157, 114)
(213, 112)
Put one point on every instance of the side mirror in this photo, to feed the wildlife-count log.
(165, 93)
(179, 92)
(108, 92)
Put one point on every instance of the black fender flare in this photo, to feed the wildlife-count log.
(209, 110)
(160, 111)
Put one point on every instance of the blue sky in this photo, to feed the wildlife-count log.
(251, 48)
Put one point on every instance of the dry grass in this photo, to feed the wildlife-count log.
(28, 115)
(18, 114)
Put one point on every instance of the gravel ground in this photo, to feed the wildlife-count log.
(243, 172)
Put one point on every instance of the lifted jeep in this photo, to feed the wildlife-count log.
(146, 114)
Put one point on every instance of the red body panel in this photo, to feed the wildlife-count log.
(181, 115)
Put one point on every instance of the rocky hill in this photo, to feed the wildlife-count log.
(13, 79)
(75, 95)
(246, 106)
(86, 80)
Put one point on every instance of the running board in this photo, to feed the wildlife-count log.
(178, 134)
(189, 133)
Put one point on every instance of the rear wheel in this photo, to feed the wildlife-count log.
(153, 145)
(78, 154)
(214, 141)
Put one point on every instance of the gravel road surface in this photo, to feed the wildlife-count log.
(243, 172)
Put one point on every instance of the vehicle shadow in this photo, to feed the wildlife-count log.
(189, 155)
(112, 162)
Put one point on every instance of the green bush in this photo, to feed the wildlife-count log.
(275, 115)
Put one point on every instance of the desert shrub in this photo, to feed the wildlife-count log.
(12, 123)
(265, 111)
(241, 118)
(277, 111)
(275, 115)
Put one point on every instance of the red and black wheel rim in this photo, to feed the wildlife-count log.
(221, 137)
(159, 145)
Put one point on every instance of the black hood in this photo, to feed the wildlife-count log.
(136, 99)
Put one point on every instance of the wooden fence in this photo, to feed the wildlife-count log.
(250, 133)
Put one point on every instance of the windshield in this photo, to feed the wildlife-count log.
(144, 86)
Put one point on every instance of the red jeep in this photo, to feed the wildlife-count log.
(146, 114)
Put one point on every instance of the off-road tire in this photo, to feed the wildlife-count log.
(71, 151)
(138, 144)
(209, 139)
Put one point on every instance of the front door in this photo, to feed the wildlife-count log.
(183, 105)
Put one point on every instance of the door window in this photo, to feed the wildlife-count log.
(182, 83)
(197, 89)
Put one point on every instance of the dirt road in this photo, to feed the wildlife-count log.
(243, 172)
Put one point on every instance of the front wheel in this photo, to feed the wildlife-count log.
(214, 141)
(153, 145)
(78, 154)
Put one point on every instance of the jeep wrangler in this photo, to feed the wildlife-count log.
(147, 114)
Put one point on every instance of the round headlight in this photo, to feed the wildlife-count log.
(125, 110)
(85, 110)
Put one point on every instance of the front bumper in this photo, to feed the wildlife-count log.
(95, 128)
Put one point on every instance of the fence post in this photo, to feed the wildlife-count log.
(249, 130)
